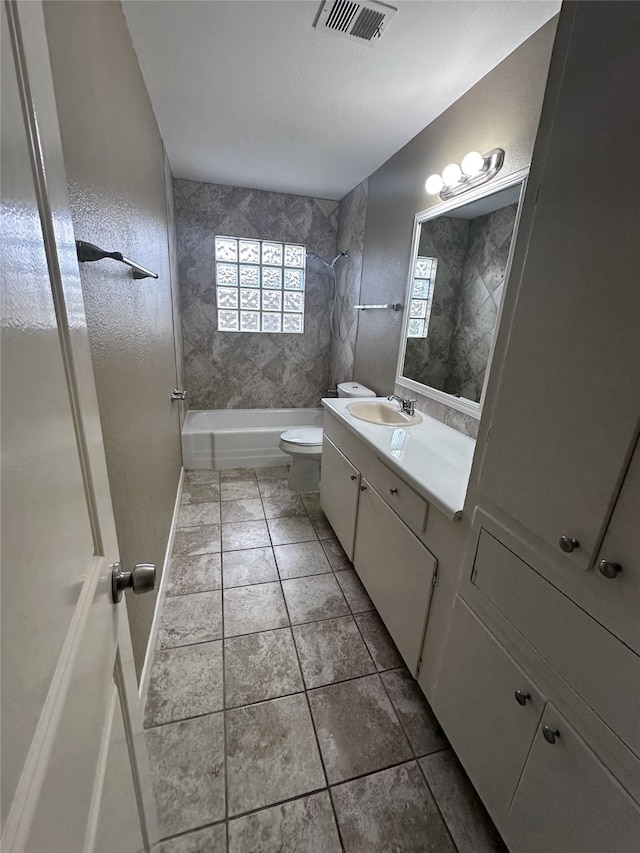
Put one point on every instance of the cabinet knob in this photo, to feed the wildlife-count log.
(354, 476)
(363, 488)
(568, 544)
(550, 734)
(609, 569)
(522, 696)
(393, 491)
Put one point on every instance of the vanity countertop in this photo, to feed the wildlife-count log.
(430, 456)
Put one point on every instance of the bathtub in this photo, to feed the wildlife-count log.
(240, 438)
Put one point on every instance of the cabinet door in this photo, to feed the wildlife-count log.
(397, 571)
(619, 593)
(567, 801)
(339, 491)
(476, 705)
(567, 410)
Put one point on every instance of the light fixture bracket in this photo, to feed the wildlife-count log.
(493, 162)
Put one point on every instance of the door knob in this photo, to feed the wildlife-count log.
(522, 696)
(141, 579)
(568, 544)
(609, 569)
(550, 734)
(354, 476)
(393, 491)
(363, 488)
(176, 394)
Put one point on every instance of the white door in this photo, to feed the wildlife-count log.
(74, 770)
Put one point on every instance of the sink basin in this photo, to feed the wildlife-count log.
(385, 414)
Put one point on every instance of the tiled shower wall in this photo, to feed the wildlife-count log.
(247, 370)
(487, 248)
(351, 227)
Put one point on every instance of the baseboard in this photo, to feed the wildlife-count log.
(157, 613)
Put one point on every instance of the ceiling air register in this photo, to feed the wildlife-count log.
(364, 22)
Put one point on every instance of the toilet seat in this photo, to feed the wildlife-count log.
(303, 436)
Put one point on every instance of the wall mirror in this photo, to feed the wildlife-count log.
(461, 253)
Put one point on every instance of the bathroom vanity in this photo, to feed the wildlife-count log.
(386, 491)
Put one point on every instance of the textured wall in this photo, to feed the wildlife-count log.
(115, 167)
(236, 370)
(503, 109)
(488, 239)
(351, 227)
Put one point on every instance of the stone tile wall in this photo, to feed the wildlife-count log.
(238, 369)
(479, 293)
(351, 227)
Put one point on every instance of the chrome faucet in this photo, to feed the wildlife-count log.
(408, 406)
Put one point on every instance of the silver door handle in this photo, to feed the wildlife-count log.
(176, 394)
(141, 579)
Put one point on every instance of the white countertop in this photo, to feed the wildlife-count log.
(430, 456)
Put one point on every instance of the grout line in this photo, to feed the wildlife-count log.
(189, 831)
(224, 724)
(313, 725)
(309, 793)
(437, 804)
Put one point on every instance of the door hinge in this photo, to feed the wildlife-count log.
(419, 667)
(434, 582)
(474, 573)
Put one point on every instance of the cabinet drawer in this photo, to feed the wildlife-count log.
(568, 801)
(407, 503)
(604, 671)
(476, 705)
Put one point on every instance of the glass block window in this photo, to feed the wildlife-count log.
(259, 285)
(424, 276)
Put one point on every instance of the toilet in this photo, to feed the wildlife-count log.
(304, 445)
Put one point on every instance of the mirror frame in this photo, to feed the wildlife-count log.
(469, 407)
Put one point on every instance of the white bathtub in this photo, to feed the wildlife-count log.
(240, 438)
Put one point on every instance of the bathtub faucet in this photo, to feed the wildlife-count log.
(178, 395)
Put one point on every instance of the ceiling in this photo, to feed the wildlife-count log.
(249, 93)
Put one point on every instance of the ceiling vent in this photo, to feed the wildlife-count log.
(365, 21)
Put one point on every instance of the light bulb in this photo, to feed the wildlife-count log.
(472, 163)
(451, 174)
(434, 184)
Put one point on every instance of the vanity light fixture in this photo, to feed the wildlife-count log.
(476, 169)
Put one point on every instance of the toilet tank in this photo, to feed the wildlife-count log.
(354, 389)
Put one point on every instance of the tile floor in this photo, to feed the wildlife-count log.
(280, 716)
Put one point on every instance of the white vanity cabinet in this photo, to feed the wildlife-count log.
(379, 520)
(566, 800)
(339, 492)
(543, 786)
(397, 571)
(489, 708)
